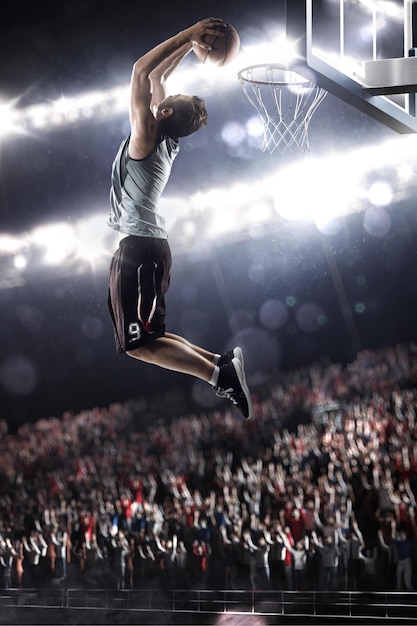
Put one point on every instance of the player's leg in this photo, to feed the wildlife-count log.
(213, 357)
(228, 380)
(139, 279)
(210, 356)
(175, 355)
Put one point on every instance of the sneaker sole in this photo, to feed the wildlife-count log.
(242, 380)
(238, 354)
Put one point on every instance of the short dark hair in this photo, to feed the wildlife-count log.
(186, 118)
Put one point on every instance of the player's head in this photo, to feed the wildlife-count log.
(179, 116)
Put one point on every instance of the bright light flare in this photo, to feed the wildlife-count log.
(58, 242)
(20, 262)
(321, 190)
(172, 209)
(328, 187)
(91, 237)
(278, 50)
(296, 189)
(10, 244)
(385, 7)
(380, 193)
(9, 122)
(64, 111)
(223, 221)
(405, 172)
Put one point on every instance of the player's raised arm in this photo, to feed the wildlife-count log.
(159, 75)
(148, 78)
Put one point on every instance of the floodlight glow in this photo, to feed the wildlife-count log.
(213, 197)
(337, 188)
(90, 240)
(387, 7)
(369, 4)
(172, 209)
(9, 124)
(279, 48)
(322, 190)
(37, 116)
(179, 82)
(9, 244)
(233, 134)
(56, 240)
(405, 172)
(223, 221)
(64, 111)
(391, 9)
(202, 78)
(240, 194)
(295, 189)
(189, 228)
(254, 126)
(380, 194)
(259, 212)
(20, 261)
(345, 64)
(63, 105)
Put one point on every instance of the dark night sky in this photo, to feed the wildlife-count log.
(55, 332)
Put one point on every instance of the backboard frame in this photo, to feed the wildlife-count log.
(365, 98)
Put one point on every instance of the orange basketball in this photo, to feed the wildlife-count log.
(224, 49)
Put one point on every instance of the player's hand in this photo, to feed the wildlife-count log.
(210, 26)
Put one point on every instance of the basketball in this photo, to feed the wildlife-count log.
(224, 49)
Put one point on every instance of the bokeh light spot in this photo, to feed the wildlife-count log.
(273, 314)
(380, 194)
(377, 222)
(308, 317)
(19, 374)
(233, 134)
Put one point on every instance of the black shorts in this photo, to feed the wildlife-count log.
(138, 280)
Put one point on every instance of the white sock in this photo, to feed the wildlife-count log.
(216, 358)
(215, 377)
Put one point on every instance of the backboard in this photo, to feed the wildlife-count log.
(361, 51)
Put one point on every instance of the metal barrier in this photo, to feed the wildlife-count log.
(345, 604)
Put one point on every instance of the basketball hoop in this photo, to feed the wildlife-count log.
(285, 101)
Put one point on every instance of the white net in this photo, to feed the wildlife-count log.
(285, 102)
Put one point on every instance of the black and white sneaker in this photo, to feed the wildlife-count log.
(226, 357)
(232, 385)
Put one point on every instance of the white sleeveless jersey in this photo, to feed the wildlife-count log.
(136, 187)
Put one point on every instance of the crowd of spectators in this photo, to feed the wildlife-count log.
(316, 492)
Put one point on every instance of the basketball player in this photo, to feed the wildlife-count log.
(140, 269)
